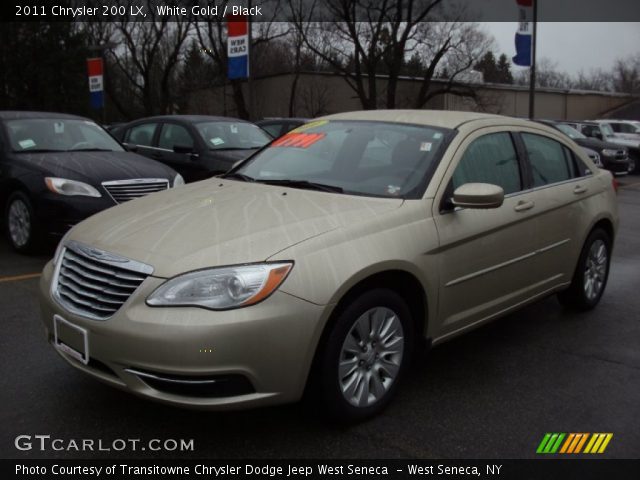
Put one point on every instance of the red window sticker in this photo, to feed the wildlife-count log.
(298, 140)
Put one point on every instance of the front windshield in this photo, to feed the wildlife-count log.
(232, 135)
(58, 135)
(570, 131)
(355, 157)
(607, 131)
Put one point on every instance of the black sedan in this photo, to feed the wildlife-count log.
(57, 169)
(196, 146)
(613, 157)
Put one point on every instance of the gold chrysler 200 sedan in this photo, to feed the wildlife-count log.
(326, 258)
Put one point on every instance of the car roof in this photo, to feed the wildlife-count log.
(192, 118)
(18, 114)
(434, 118)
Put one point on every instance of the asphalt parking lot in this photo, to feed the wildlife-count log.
(492, 393)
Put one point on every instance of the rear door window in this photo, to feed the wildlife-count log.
(141, 135)
(173, 135)
(551, 162)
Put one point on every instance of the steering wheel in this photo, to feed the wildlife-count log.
(79, 145)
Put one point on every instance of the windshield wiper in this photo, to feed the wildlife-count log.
(239, 176)
(39, 150)
(305, 184)
(231, 148)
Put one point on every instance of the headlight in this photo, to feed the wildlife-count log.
(178, 181)
(607, 152)
(64, 186)
(222, 288)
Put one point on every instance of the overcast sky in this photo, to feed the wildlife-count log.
(574, 46)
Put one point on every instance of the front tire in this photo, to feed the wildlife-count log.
(366, 355)
(19, 223)
(592, 273)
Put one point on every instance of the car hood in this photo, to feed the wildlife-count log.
(221, 222)
(627, 142)
(96, 167)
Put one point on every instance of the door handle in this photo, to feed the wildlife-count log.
(524, 205)
(579, 189)
(156, 155)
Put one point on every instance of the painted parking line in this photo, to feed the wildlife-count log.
(629, 185)
(15, 278)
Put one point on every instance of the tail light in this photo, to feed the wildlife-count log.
(615, 184)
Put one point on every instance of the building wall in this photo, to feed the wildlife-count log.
(320, 94)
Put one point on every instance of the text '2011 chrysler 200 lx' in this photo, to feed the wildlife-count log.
(327, 257)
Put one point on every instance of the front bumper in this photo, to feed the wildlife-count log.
(615, 165)
(271, 345)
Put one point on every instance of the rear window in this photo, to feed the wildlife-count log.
(367, 158)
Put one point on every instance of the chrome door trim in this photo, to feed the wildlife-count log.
(498, 266)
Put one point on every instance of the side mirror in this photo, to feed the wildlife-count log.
(597, 134)
(478, 195)
(182, 149)
(130, 148)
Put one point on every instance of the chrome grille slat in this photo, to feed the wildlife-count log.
(94, 283)
(124, 190)
(110, 271)
(80, 290)
(82, 280)
(67, 293)
(91, 291)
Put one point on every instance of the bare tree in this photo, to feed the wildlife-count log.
(626, 75)
(594, 79)
(547, 75)
(361, 39)
(147, 55)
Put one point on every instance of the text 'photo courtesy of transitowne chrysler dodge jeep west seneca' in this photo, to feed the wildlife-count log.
(324, 261)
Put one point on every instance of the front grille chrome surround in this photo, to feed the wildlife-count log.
(93, 283)
(124, 190)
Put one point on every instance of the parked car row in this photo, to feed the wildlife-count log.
(621, 136)
(58, 169)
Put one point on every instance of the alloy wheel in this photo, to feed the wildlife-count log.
(371, 356)
(19, 223)
(595, 272)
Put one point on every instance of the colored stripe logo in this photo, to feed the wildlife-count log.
(573, 443)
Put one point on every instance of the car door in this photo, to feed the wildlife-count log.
(561, 182)
(186, 161)
(486, 256)
(141, 137)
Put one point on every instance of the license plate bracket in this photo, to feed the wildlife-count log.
(71, 339)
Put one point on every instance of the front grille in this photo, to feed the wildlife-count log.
(124, 190)
(96, 284)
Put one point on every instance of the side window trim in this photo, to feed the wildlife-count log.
(526, 173)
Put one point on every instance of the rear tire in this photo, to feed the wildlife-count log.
(20, 227)
(591, 274)
(365, 356)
